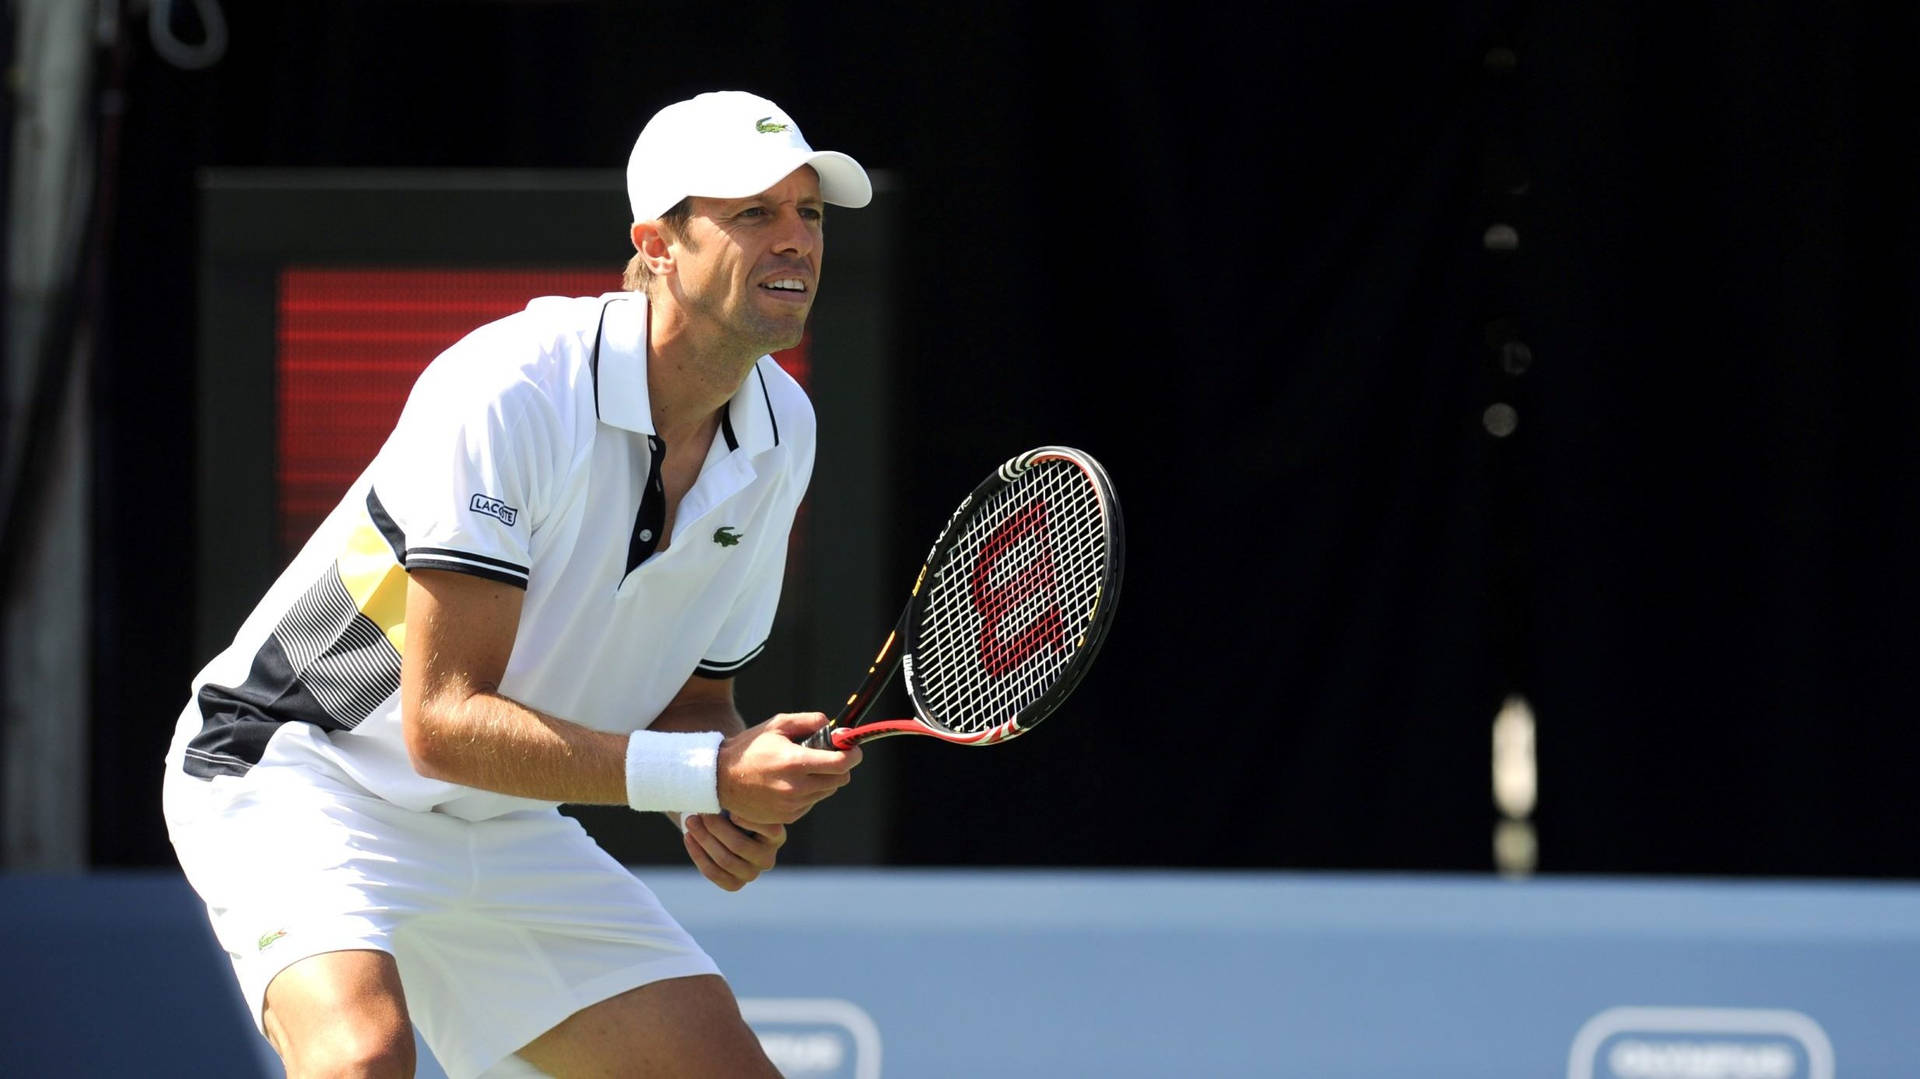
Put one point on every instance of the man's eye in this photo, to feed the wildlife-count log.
(811, 213)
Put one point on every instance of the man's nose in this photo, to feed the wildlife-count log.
(796, 234)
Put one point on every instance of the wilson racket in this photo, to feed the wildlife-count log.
(1009, 610)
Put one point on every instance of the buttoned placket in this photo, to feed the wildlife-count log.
(651, 519)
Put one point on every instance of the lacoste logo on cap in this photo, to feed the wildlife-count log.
(726, 536)
(767, 125)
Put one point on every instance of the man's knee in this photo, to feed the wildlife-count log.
(680, 1027)
(355, 1047)
(340, 1014)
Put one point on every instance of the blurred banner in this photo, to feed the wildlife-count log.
(860, 973)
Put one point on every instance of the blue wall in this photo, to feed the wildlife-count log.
(1120, 974)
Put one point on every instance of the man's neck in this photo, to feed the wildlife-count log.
(689, 381)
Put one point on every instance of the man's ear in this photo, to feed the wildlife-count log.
(650, 240)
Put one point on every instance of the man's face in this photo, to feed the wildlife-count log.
(748, 268)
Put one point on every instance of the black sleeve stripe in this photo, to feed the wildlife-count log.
(518, 580)
(727, 669)
(389, 529)
(467, 556)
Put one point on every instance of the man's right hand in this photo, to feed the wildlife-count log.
(767, 775)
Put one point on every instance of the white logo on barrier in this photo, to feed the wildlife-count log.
(815, 1037)
(1700, 1043)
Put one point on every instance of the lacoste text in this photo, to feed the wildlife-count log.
(493, 507)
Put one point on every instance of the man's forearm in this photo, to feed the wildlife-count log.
(496, 743)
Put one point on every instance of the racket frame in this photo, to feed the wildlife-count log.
(896, 654)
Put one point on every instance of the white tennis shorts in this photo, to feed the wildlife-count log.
(501, 928)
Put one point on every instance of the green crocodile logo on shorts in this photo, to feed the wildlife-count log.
(726, 536)
(767, 125)
(268, 938)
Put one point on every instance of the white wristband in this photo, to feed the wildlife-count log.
(673, 771)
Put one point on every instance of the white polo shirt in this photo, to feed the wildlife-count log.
(525, 454)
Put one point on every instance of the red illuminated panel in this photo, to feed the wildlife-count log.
(351, 343)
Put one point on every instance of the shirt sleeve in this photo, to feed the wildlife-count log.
(463, 480)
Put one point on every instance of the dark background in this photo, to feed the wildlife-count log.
(1241, 259)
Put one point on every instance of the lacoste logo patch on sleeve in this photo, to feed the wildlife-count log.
(495, 508)
(726, 535)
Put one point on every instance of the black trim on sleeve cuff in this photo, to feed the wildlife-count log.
(713, 669)
(492, 569)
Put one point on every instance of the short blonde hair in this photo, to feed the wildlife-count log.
(637, 277)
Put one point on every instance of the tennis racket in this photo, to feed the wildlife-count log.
(1009, 611)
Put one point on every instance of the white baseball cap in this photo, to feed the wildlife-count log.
(728, 144)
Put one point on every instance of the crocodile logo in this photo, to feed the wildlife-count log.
(767, 125)
(726, 536)
(267, 939)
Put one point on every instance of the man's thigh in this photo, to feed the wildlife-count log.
(340, 1010)
(680, 1028)
(292, 871)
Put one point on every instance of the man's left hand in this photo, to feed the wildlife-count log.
(732, 852)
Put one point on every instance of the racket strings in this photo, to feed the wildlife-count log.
(1012, 600)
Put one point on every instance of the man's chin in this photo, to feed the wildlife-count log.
(766, 333)
(781, 338)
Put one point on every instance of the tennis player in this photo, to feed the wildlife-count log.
(539, 592)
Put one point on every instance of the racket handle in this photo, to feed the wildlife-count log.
(824, 738)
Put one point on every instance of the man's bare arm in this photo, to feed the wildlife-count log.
(459, 728)
(460, 633)
(703, 704)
